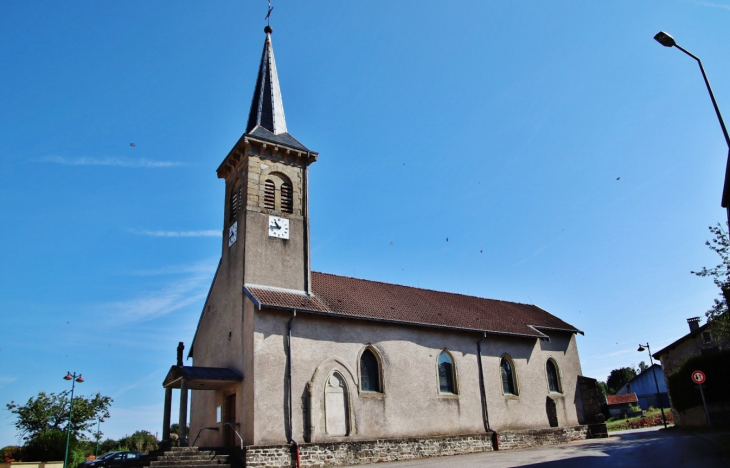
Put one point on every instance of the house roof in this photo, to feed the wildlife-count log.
(689, 335)
(373, 300)
(641, 376)
(621, 399)
(201, 378)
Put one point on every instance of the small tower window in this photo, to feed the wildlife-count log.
(446, 373)
(287, 201)
(369, 372)
(269, 195)
(236, 201)
(508, 376)
(552, 376)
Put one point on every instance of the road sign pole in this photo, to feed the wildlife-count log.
(704, 403)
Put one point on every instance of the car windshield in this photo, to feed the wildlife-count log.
(107, 455)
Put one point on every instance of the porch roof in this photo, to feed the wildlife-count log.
(201, 378)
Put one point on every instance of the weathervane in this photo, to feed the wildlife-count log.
(268, 14)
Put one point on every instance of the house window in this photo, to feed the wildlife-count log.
(369, 372)
(553, 377)
(236, 201)
(446, 373)
(269, 195)
(287, 200)
(506, 368)
(706, 337)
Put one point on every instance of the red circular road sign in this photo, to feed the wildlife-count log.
(698, 377)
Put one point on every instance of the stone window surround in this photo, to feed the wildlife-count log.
(559, 376)
(515, 377)
(455, 376)
(381, 373)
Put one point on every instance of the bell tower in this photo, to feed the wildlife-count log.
(266, 216)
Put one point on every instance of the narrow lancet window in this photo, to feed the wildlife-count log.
(552, 376)
(508, 377)
(446, 373)
(369, 372)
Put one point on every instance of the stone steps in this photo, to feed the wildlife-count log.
(185, 457)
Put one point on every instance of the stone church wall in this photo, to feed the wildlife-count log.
(410, 404)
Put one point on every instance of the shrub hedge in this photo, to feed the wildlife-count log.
(685, 393)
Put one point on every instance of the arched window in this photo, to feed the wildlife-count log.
(553, 377)
(236, 202)
(369, 372)
(446, 373)
(506, 368)
(287, 199)
(269, 195)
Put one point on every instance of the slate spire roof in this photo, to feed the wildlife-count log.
(266, 120)
(267, 108)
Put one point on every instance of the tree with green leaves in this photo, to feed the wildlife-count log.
(49, 411)
(618, 378)
(720, 274)
(643, 367)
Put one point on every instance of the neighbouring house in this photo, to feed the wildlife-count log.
(287, 357)
(619, 405)
(644, 386)
(701, 340)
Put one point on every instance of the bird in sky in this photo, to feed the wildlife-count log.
(133, 145)
(447, 239)
(618, 178)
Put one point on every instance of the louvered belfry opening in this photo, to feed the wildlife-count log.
(236, 201)
(287, 199)
(270, 195)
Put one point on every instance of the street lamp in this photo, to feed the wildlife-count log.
(73, 378)
(668, 41)
(98, 432)
(653, 372)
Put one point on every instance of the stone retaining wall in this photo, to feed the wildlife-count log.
(509, 440)
(370, 451)
(381, 450)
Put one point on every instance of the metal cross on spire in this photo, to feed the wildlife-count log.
(268, 14)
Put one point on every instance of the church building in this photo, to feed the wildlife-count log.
(287, 357)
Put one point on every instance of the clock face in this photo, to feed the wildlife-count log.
(278, 227)
(232, 234)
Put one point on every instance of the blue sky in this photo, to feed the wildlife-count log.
(571, 161)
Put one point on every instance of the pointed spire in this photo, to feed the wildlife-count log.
(267, 108)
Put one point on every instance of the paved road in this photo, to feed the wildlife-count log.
(647, 448)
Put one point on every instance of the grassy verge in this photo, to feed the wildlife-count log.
(621, 424)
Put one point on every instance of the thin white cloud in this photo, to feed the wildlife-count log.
(200, 233)
(156, 375)
(206, 267)
(115, 162)
(6, 380)
(711, 5)
(153, 304)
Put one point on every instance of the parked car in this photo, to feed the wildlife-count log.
(113, 459)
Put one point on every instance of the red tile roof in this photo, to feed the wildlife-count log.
(373, 300)
(621, 399)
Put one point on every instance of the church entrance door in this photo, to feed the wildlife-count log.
(229, 435)
(335, 406)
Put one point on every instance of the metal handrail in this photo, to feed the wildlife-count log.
(208, 428)
(236, 432)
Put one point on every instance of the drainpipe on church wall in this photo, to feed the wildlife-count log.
(482, 390)
(295, 445)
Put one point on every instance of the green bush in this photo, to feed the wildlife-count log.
(10, 454)
(685, 393)
(47, 446)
